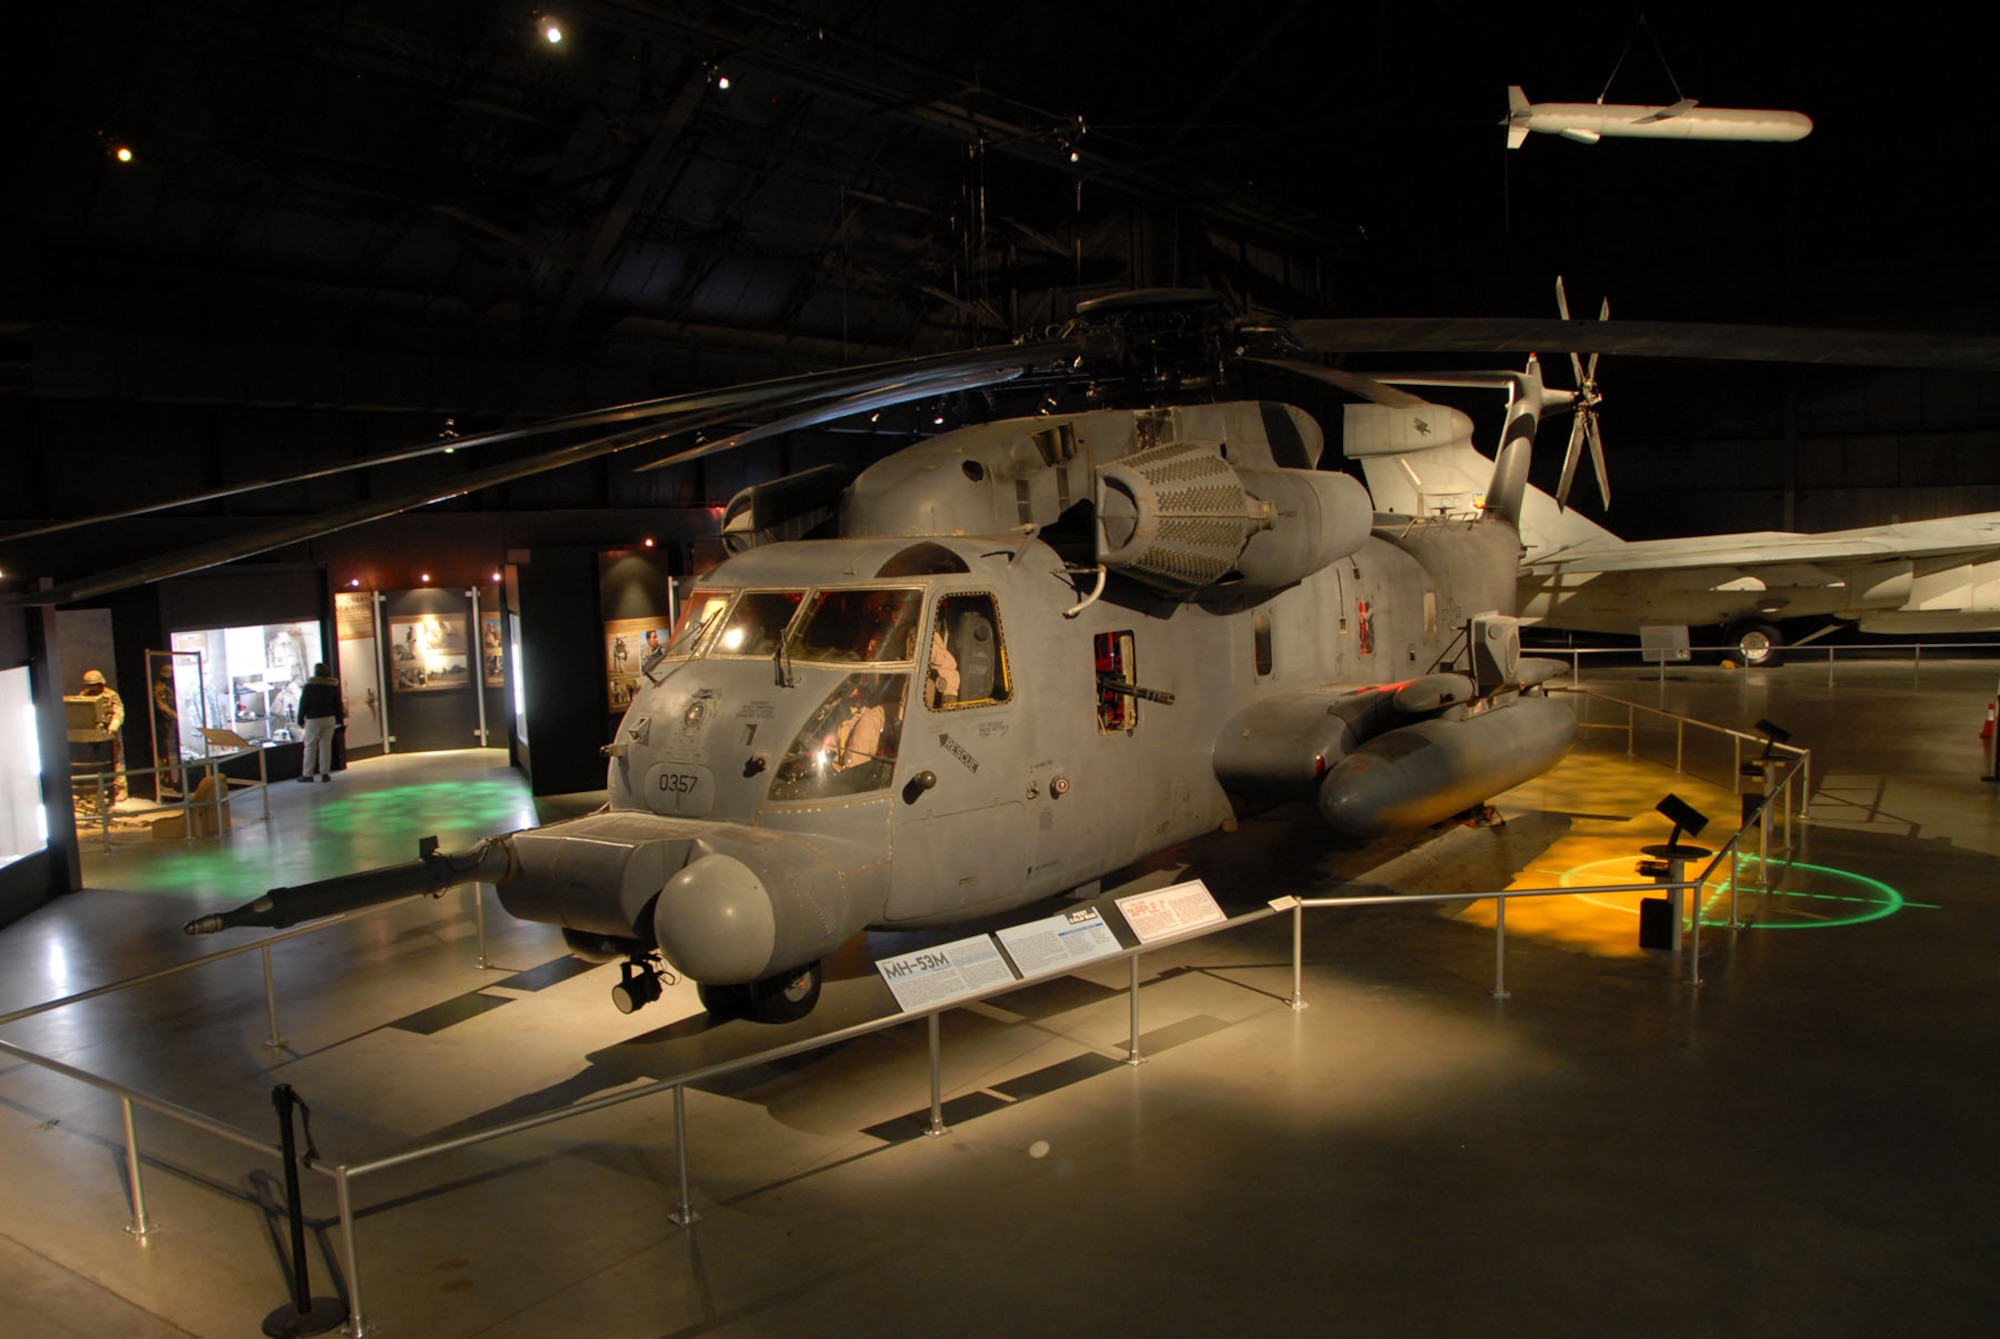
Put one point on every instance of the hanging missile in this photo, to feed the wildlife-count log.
(1421, 774)
(1589, 122)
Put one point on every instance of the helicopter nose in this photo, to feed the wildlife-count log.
(715, 921)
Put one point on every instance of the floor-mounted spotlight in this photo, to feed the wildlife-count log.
(1660, 917)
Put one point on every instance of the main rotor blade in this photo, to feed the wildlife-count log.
(804, 387)
(1368, 388)
(1651, 339)
(714, 407)
(244, 544)
(916, 388)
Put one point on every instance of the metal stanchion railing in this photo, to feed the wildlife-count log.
(937, 1126)
(344, 1175)
(1497, 896)
(343, 1198)
(101, 813)
(684, 1214)
(1297, 1001)
(1132, 1056)
(140, 1225)
(275, 1041)
(145, 978)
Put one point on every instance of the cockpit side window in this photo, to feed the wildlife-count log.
(871, 624)
(965, 665)
(757, 624)
(701, 615)
(849, 743)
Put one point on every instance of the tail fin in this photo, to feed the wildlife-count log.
(1510, 478)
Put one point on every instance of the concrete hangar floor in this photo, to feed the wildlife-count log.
(1800, 1146)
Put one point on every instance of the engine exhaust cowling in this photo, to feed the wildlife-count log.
(1184, 518)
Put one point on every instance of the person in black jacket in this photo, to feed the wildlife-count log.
(320, 711)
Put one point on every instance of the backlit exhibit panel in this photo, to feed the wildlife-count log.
(23, 826)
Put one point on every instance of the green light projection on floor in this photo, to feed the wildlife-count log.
(345, 833)
(1817, 910)
(470, 809)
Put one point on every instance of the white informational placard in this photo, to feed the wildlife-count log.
(934, 975)
(1664, 644)
(1059, 943)
(1171, 911)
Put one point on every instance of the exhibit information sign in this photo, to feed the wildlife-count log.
(1059, 943)
(934, 975)
(1665, 644)
(1171, 911)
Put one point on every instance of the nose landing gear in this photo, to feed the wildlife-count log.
(783, 998)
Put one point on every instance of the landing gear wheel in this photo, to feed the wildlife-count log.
(724, 1002)
(784, 998)
(1757, 645)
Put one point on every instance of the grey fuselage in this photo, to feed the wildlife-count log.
(995, 802)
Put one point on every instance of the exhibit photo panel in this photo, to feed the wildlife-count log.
(432, 670)
(494, 664)
(360, 669)
(636, 594)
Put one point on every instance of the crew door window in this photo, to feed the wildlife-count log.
(1117, 706)
(965, 665)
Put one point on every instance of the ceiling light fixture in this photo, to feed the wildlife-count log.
(550, 28)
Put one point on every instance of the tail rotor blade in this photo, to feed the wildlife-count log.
(1562, 309)
(1570, 459)
(1589, 420)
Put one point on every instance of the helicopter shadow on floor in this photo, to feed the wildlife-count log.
(1282, 851)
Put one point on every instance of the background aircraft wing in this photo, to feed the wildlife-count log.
(1964, 537)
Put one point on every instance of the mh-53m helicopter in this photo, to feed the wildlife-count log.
(1033, 652)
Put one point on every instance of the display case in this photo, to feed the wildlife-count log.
(252, 676)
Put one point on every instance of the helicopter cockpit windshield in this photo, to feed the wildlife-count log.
(700, 617)
(848, 745)
(871, 624)
(757, 624)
